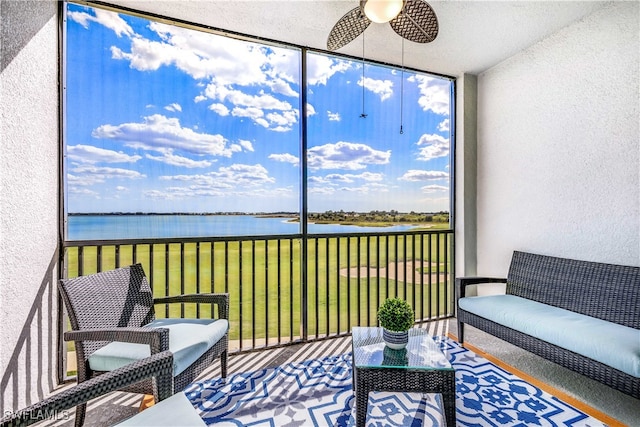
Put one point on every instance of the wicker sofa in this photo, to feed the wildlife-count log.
(582, 315)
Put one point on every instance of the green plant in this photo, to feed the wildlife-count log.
(396, 315)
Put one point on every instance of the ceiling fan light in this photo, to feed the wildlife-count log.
(381, 11)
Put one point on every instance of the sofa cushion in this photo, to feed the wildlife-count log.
(177, 410)
(614, 345)
(188, 340)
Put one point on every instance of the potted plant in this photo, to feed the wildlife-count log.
(396, 318)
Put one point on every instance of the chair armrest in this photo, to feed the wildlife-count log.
(219, 299)
(156, 338)
(463, 282)
(158, 366)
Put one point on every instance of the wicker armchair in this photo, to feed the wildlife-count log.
(113, 323)
(158, 367)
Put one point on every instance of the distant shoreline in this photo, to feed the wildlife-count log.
(264, 215)
(376, 219)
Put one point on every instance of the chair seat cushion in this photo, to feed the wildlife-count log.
(188, 340)
(174, 411)
(609, 343)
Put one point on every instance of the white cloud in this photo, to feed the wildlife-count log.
(177, 193)
(174, 160)
(246, 145)
(333, 117)
(90, 175)
(85, 192)
(236, 148)
(382, 88)
(203, 55)
(285, 158)
(364, 189)
(281, 129)
(173, 107)
(282, 87)
(106, 18)
(148, 55)
(160, 133)
(423, 175)
(262, 122)
(236, 97)
(363, 184)
(231, 61)
(346, 155)
(254, 107)
(198, 181)
(310, 110)
(443, 126)
(284, 120)
(327, 191)
(252, 112)
(230, 67)
(90, 154)
(320, 68)
(160, 195)
(336, 178)
(432, 146)
(226, 177)
(429, 189)
(221, 109)
(434, 93)
(84, 181)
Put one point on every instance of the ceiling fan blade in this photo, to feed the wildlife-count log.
(350, 26)
(417, 22)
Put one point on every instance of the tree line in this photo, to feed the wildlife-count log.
(379, 216)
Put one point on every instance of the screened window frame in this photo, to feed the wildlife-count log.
(303, 209)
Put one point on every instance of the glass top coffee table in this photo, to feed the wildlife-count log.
(421, 367)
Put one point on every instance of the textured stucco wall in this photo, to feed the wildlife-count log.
(559, 144)
(28, 201)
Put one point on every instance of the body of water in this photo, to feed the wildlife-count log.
(110, 227)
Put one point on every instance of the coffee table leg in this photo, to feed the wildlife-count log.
(354, 380)
(449, 400)
(362, 398)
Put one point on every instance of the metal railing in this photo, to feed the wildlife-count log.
(271, 303)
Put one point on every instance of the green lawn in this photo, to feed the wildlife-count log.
(264, 279)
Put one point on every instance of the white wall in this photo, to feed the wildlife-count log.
(28, 201)
(559, 144)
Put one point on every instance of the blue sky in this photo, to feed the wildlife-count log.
(166, 119)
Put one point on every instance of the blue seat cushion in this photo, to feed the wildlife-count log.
(172, 412)
(609, 343)
(188, 340)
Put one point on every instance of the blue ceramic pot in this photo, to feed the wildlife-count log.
(395, 340)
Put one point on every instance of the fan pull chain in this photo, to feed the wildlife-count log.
(402, 91)
(363, 115)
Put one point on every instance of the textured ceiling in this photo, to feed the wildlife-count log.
(473, 37)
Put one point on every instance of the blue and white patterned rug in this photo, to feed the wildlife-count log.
(318, 393)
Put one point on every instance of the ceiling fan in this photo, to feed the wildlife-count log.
(413, 20)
